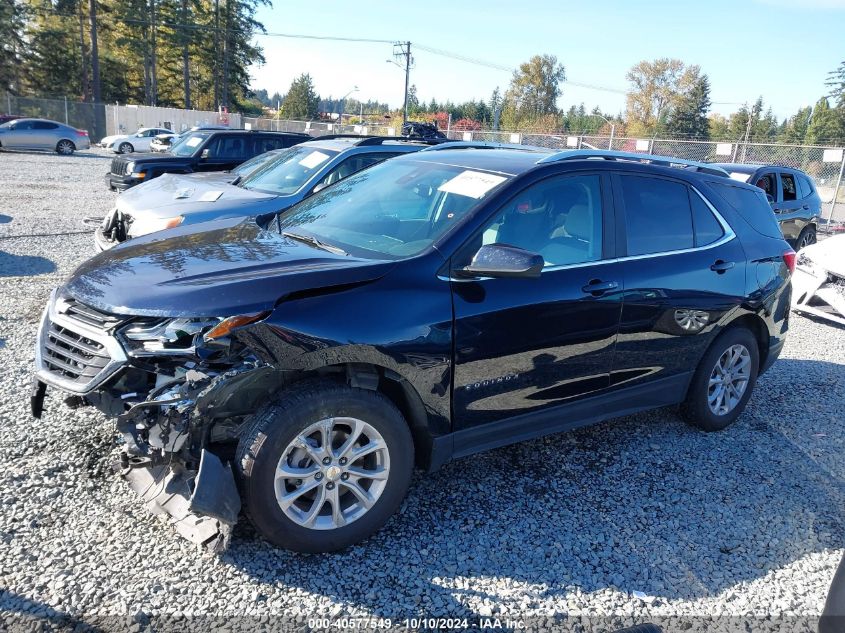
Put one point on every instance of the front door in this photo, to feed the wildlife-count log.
(522, 345)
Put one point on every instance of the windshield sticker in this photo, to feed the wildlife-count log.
(473, 184)
(193, 141)
(313, 159)
(210, 196)
(183, 193)
(738, 175)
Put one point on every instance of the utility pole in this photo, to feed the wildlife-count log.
(403, 49)
(216, 55)
(186, 75)
(99, 108)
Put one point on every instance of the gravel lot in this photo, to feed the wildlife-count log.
(638, 518)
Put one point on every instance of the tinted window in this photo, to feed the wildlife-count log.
(707, 227)
(44, 125)
(657, 213)
(268, 143)
(787, 182)
(23, 125)
(351, 165)
(805, 186)
(751, 205)
(560, 218)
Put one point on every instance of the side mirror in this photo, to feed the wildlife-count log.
(770, 198)
(205, 154)
(500, 260)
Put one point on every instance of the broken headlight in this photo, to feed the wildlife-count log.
(157, 337)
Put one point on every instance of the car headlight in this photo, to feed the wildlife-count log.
(162, 337)
(130, 167)
(142, 226)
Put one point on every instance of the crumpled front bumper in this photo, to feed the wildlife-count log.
(816, 292)
(202, 506)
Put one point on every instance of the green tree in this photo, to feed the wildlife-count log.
(657, 88)
(826, 125)
(718, 128)
(836, 81)
(534, 90)
(688, 116)
(301, 100)
(13, 17)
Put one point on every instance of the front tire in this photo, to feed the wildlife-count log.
(324, 466)
(723, 382)
(125, 148)
(65, 147)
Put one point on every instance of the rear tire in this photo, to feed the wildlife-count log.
(288, 437)
(65, 147)
(806, 238)
(723, 381)
(125, 148)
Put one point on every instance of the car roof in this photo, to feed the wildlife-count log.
(229, 132)
(349, 143)
(505, 161)
(32, 118)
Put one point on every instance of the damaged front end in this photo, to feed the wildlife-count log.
(181, 390)
(819, 280)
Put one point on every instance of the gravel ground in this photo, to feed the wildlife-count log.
(635, 519)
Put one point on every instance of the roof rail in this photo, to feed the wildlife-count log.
(376, 140)
(485, 145)
(664, 161)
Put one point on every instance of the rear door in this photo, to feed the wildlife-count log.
(792, 212)
(683, 270)
(45, 134)
(524, 345)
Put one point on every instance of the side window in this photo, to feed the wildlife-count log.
(230, 147)
(559, 218)
(805, 187)
(351, 165)
(787, 182)
(290, 141)
(267, 143)
(767, 183)
(707, 227)
(23, 125)
(44, 125)
(657, 215)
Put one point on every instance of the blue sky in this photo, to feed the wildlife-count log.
(780, 49)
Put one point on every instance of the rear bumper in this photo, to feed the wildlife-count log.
(774, 353)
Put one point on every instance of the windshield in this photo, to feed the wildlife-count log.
(395, 209)
(255, 163)
(187, 146)
(290, 171)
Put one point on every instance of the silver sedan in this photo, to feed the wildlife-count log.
(43, 134)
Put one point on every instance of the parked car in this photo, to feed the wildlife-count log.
(284, 180)
(819, 282)
(433, 306)
(137, 142)
(203, 150)
(792, 195)
(43, 134)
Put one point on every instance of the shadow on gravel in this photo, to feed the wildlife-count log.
(24, 265)
(643, 503)
(83, 153)
(22, 614)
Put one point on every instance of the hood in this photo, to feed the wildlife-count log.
(213, 269)
(113, 137)
(828, 254)
(179, 194)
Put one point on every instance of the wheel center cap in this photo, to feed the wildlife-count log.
(333, 473)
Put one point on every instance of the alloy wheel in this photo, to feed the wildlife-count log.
(729, 379)
(65, 147)
(332, 473)
(807, 239)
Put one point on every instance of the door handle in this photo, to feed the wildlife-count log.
(805, 207)
(597, 287)
(720, 266)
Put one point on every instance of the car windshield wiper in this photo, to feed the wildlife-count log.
(313, 241)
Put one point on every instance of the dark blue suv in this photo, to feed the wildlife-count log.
(430, 307)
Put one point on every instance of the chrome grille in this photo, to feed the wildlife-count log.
(76, 348)
(118, 166)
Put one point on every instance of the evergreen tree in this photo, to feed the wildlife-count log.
(301, 100)
(836, 81)
(826, 125)
(688, 118)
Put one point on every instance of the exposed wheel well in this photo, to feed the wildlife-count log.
(758, 328)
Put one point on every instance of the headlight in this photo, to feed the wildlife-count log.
(142, 226)
(130, 167)
(158, 337)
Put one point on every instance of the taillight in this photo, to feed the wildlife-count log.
(82, 132)
(789, 258)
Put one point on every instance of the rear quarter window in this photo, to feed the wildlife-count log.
(751, 205)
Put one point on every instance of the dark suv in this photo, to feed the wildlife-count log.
(792, 195)
(199, 151)
(433, 306)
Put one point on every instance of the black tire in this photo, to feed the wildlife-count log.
(65, 147)
(806, 238)
(695, 409)
(275, 426)
(125, 148)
